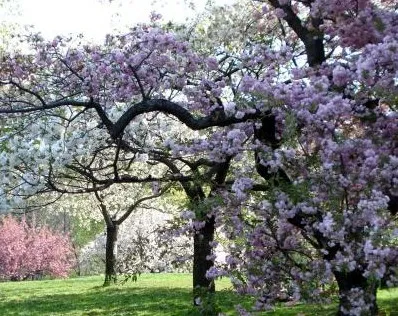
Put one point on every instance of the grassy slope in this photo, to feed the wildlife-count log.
(153, 294)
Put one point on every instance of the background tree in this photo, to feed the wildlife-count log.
(143, 246)
(28, 251)
(73, 215)
(115, 204)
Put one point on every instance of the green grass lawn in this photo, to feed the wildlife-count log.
(153, 294)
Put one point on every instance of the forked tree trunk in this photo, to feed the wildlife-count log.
(202, 249)
(356, 293)
(110, 254)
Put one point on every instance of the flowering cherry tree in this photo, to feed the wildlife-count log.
(53, 145)
(27, 251)
(113, 219)
(143, 245)
(113, 205)
(328, 151)
(306, 123)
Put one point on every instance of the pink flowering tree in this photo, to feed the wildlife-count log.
(328, 153)
(307, 124)
(28, 251)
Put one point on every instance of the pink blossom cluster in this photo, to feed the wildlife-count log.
(27, 251)
(356, 22)
(343, 167)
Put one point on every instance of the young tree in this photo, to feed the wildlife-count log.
(113, 222)
(143, 245)
(115, 205)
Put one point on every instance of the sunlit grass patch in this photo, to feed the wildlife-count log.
(153, 294)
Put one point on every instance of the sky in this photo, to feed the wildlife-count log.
(95, 18)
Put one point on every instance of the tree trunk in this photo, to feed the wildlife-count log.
(76, 253)
(110, 254)
(357, 294)
(202, 285)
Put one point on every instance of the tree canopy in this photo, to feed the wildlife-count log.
(294, 133)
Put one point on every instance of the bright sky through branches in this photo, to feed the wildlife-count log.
(95, 18)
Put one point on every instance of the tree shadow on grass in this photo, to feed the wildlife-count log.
(109, 301)
(150, 302)
(119, 301)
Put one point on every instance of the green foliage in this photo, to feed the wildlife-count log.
(82, 234)
(204, 207)
(176, 197)
(297, 192)
(291, 129)
(208, 305)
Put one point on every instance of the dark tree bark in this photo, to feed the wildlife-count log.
(202, 249)
(110, 254)
(112, 227)
(202, 238)
(76, 253)
(365, 288)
